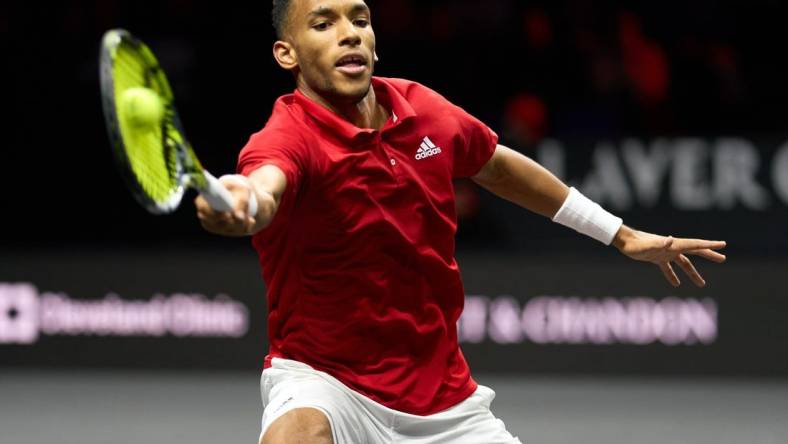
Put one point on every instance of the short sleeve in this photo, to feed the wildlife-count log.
(477, 144)
(285, 149)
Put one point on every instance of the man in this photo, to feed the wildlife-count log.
(355, 232)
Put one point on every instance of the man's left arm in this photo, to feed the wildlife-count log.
(524, 182)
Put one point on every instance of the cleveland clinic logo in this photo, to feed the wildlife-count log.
(18, 314)
(27, 314)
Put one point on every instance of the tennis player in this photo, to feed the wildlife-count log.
(355, 234)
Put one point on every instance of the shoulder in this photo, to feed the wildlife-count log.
(285, 126)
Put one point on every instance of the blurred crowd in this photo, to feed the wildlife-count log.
(573, 68)
(590, 69)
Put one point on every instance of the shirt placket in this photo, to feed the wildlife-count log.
(390, 154)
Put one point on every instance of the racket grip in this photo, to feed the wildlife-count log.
(219, 198)
(216, 194)
(251, 206)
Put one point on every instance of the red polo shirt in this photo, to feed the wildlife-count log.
(359, 259)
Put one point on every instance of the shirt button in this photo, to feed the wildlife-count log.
(393, 162)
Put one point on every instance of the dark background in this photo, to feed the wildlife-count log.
(581, 72)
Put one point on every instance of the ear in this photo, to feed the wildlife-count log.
(376, 57)
(285, 55)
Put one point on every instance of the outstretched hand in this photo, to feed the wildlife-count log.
(664, 250)
(238, 222)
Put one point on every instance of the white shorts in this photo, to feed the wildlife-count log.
(356, 419)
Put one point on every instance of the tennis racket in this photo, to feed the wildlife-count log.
(147, 137)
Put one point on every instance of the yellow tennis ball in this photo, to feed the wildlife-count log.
(143, 107)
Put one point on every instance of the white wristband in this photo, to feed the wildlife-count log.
(251, 206)
(587, 217)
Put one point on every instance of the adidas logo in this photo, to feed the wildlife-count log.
(427, 149)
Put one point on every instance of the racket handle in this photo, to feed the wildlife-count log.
(216, 194)
(220, 199)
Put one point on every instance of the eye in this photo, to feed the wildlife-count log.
(361, 23)
(322, 26)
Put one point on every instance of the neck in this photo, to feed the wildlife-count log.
(366, 113)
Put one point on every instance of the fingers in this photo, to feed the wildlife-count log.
(690, 270)
(238, 221)
(708, 254)
(241, 189)
(227, 228)
(663, 250)
(226, 223)
(670, 275)
(241, 205)
(686, 245)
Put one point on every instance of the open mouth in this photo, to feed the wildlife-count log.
(352, 64)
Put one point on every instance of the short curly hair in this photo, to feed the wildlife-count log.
(279, 16)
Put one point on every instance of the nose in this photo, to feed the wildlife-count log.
(348, 34)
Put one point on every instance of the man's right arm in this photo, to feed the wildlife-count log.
(268, 183)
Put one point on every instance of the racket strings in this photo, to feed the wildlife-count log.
(150, 157)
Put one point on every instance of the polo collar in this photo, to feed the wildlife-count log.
(386, 94)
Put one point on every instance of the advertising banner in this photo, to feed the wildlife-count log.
(523, 313)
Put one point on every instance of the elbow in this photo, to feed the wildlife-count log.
(493, 174)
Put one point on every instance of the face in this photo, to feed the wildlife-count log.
(331, 47)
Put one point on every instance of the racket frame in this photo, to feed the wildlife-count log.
(188, 170)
